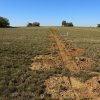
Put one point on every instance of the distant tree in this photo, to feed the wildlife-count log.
(67, 24)
(36, 24)
(33, 24)
(29, 25)
(4, 22)
(70, 24)
(98, 25)
(63, 23)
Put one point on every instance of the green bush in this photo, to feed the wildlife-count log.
(63, 23)
(98, 25)
(36, 24)
(29, 25)
(67, 24)
(33, 24)
(4, 22)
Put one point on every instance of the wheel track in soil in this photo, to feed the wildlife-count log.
(65, 55)
(66, 58)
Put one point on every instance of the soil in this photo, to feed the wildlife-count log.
(61, 87)
(45, 62)
(64, 53)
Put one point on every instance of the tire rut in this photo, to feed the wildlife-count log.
(65, 55)
(66, 58)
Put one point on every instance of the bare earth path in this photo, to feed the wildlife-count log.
(65, 55)
(66, 58)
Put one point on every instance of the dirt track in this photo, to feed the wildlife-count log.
(65, 55)
(66, 58)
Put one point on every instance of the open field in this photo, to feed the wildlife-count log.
(41, 63)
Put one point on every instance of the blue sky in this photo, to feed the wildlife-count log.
(51, 12)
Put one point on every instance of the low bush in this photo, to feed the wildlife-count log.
(4, 22)
(67, 24)
(33, 24)
(98, 25)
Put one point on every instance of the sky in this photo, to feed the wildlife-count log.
(51, 12)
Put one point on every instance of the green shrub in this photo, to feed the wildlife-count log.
(29, 25)
(63, 23)
(98, 25)
(33, 24)
(67, 24)
(36, 24)
(4, 22)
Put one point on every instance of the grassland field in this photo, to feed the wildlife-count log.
(19, 45)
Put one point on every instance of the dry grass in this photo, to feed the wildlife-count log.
(20, 47)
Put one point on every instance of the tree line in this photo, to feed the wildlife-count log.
(4, 22)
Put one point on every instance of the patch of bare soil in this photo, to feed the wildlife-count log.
(90, 89)
(94, 87)
(62, 87)
(44, 62)
(59, 87)
(84, 63)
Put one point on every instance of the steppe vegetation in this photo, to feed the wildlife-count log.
(32, 63)
(17, 47)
